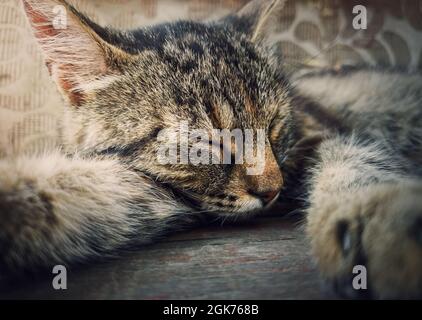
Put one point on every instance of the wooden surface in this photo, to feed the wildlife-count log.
(263, 259)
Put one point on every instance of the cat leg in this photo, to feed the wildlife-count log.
(55, 209)
(364, 210)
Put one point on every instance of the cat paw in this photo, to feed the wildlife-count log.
(369, 244)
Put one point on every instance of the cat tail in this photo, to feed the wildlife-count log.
(60, 210)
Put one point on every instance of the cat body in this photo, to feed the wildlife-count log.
(366, 181)
(348, 142)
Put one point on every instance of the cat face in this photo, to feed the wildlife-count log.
(167, 90)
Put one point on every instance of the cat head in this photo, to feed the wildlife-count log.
(137, 94)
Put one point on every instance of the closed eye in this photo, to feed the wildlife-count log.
(275, 128)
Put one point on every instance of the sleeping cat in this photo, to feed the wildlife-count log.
(349, 142)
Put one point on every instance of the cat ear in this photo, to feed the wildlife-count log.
(257, 18)
(78, 59)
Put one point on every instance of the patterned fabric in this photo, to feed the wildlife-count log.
(310, 33)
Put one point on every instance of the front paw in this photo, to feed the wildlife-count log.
(379, 228)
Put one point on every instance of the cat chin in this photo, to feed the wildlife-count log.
(254, 207)
(244, 209)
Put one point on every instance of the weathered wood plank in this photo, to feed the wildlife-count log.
(264, 259)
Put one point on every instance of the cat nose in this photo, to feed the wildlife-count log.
(265, 196)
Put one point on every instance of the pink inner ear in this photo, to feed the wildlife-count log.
(44, 27)
(76, 97)
(74, 56)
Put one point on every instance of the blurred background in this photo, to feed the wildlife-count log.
(307, 33)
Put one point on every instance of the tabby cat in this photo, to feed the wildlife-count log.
(349, 142)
